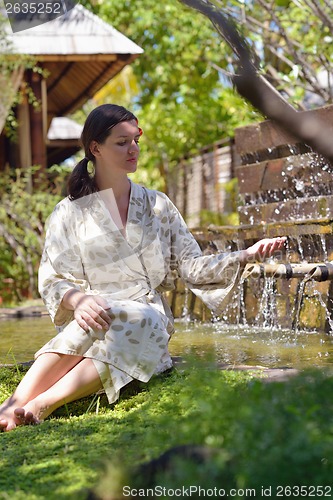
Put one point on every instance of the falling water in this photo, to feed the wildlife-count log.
(267, 304)
(186, 314)
(300, 248)
(324, 249)
(298, 304)
(324, 306)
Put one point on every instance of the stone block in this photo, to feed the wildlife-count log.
(318, 208)
(268, 134)
(261, 176)
(294, 173)
(261, 136)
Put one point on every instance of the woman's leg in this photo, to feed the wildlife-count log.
(44, 373)
(80, 381)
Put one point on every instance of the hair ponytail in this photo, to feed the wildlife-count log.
(80, 183)
(98, 127)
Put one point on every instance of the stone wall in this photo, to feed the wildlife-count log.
(285, 189)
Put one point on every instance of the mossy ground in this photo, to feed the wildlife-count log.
(268, 434)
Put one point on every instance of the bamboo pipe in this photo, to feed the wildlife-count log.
(321, 271)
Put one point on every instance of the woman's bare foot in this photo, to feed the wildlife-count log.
(12, 415)
(34, 412)
(8, 419)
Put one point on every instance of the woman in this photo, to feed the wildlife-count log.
(111, 247)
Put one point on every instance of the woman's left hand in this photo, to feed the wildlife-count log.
(263, 249)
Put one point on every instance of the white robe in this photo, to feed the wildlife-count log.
(84, 249)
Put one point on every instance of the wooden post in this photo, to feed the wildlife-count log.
(24, 135)
(38, 146)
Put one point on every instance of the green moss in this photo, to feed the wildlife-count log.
(312, 314)
(267, 434)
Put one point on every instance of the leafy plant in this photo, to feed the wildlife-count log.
(264, 434)
(182, 101)
(22, 217)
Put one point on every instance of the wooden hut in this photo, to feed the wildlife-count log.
(79, 53)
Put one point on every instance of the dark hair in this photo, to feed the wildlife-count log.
(97, 127)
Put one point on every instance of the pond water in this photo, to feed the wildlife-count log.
(21, 338)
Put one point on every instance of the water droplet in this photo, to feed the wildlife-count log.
(299, 184)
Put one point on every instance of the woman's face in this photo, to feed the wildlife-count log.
(120, 150)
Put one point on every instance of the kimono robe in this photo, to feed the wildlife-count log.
(85, 249)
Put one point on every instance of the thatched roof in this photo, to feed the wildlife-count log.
(64, 128)
(81, 53)
(78, 32)
(63, 140)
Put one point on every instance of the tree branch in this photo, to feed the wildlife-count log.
(308, 72)
(226, 28)
(306, 127)
(316, 7)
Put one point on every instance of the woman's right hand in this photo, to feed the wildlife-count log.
(90, 311)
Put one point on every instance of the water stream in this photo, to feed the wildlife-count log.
(235, 345)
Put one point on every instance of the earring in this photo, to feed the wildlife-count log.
(90, 168)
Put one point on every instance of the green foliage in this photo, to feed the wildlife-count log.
(293, 41)
(185, 99)
(25, 91)
(22, 217)
(282, 3)
(208, 217)
(265, 434)
(121, 89)
(183, 104)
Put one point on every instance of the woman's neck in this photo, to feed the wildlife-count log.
(120, 186)
(116, 195)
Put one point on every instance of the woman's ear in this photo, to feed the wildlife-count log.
(94, 148)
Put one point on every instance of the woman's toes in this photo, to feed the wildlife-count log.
(20, 414)
(7, 425)
(30, 419)
(25, 417)
(3, 424)
(11, 426)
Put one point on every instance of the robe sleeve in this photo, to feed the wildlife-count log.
(211, 277)
(61, 266)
